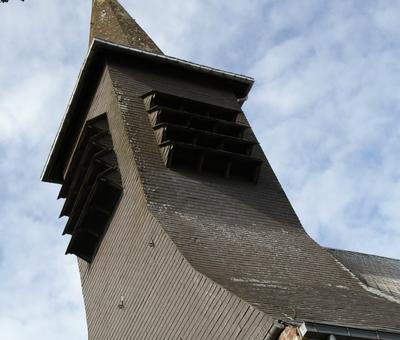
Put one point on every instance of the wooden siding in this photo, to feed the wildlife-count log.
(164, 297)
(244, 236)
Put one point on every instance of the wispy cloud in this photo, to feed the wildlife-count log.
(326, 109)
(39, 291)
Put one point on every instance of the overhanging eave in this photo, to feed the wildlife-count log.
(91, 70)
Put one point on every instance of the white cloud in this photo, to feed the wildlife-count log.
(327, 102)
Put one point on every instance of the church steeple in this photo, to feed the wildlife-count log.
(180, 226)
(110, 21)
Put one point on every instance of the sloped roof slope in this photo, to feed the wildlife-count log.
(378, 272)
(243, 236)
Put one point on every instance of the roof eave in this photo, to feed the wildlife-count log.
(249, 81)
(317, 330)
(97, 47)
(47, 175)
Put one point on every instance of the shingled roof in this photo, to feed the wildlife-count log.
(245, 237)
(377, 272)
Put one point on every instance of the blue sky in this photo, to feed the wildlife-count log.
(325, 107)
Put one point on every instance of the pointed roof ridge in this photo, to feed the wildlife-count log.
(110, 21)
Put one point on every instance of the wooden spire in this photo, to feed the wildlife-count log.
(110, 21)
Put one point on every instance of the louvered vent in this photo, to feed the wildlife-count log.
(92, 188)
(201, 137)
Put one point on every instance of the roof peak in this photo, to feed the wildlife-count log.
(110, 21)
